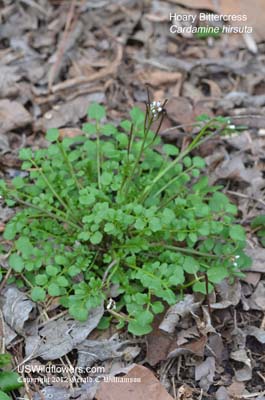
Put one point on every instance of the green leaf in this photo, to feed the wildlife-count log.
(24, 245)
(203, 118)
(139, 224)
(38, 294)
(141, 298)
(16, 262)
(218, 202)
(60, 260)
(41, 279)
(52, 270)
(201, 287)
(236, 232)
(123, 140)
(258, 221)
(155, 224)
(62, 281)
(177, 277)
(54, 290)
(87, 199)
(170, 150)
(96, 238)
(137, 115)
(96, 111)
(217, 274)
(10, 231)
(139, 329)
(10, 381)
(5, 359)
(198, 162)
(109, 130)
(73, 270)
(52, 134)
(89, 128)
(25, 154)
(126, 125)
(157, 307)
(190, 265)
(18, 182)
(109, 227)
(104, 323)
(4, 396)
(78, 312)
(106, 178)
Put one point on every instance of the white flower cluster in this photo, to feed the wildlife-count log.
(234, 260)
(156, 108)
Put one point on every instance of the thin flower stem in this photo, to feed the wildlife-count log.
(172, 181)
(146, 131)
(192, 146)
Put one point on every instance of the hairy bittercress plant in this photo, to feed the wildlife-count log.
(118, 214)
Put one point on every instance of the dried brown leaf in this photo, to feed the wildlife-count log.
(257, 300)
(12, 116)
(229, 295)
(178, 311)
(59, 337)
(258, 259)
(17, 309)
(147, 387)
(204, 373)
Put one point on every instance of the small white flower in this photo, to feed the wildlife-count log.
(156, 108)
(111, 304)
(237, 256)
(235, 264)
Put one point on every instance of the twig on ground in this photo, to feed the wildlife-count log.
(2, 333)
(174, 388)
(111, 69)
(245, 196)
(2, 285)
(61, 47)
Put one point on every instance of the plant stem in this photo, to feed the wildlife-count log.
(149, 274)
(207, 294)
(119, 316)
(70, 167)
(50, 186)
(51, 215)
(138, 159)
(183, 250)
(98, 156)
(199, 278)
(193, 145)
(172, 181)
